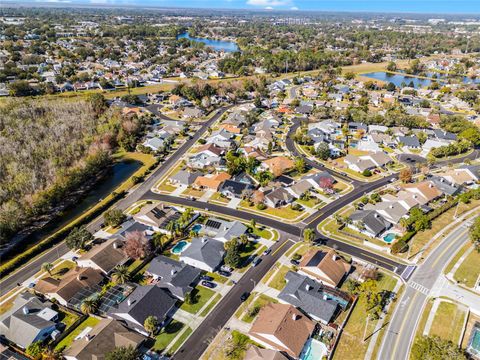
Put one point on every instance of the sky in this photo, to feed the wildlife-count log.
(415, 6)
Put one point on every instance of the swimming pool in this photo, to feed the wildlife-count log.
(389, 238)
(313, 350)
(180, 247)
(196, 228)
(474, 343)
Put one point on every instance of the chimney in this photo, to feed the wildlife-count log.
(430, 185)
(116, 245)
(25, 310)
(129, 302)
(173, 272)
(88, 337)
(295, 317)
(204, 240)
(334, 257)
(307, 287)
(390, 206)
(325, 297)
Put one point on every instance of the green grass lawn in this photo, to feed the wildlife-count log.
(211, 305)
(167, 334)
(469, 270)
(68, 318)
(180, 341)
(218, 278)
(278, 281)
(193, 192)
(457, 257)
(448, 322)
(312, 202)
(202, 295)
(217, 197)
(257, 305)
(285, 212)
(89, 322)
(263, 232)
(166, 187)
(249, 249)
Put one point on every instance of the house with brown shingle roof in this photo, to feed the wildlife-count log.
(283, 328)
(278, 165)
(256, 353)
(426, 190)
(105, 256)
(327, 267)
(74, 281)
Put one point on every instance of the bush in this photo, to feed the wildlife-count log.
(202, 141)
(400, 246)
(261, 206)
(367, 173)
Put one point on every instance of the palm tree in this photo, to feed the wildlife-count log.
(151, 324)
(89, 306)
(309, 235)
(120, 274)
(47, 266)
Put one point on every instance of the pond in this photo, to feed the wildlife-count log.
(217, 45)
(119, 173)
(399, 79)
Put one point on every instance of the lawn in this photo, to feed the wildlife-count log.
(193, 192)
(469, 271)
(218, 278)
(253, 310)
(211, 305)
(61, 269)
(167, 334)
(264, 232)
(457, 257)
(68, 318)
(312, 202)
(217, 197)
(448, 322)
(166, 187)
(67, 341)
(283, 212)
(278, 281)
(351, 345)
(202, 295)
(248, 250)
(180, 341)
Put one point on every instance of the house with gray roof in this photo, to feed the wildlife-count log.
(204, 253)
(185, 177)
(174, 276)
(410, 142)
(29, 320)
(445, 186)
(318, 301)
(157, 216)
(143, 302)
(223, 230)
(278, 197)
(369, 222)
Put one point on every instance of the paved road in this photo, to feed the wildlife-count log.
(401, 330)
(198, 342)
(27, 271)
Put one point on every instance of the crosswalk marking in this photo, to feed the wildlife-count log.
(419, 287)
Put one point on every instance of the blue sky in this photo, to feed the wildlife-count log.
(418, 6)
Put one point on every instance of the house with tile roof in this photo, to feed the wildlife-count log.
(211, 181)
(278, 165)
(283, 328)
(256, 353)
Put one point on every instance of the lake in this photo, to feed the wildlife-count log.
(217, 45)
(398, 79)
(120, 172)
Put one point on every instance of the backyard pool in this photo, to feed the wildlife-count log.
(313, 350)
(180, 247)
(474, 342)
(389, 238)
(196, 228)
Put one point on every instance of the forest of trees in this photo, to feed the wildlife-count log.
(51, 148)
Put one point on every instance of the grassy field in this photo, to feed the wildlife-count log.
(351, 345)
(469, 271)
(167, 334)
(448, 322)
(423, 320)
(202, 295)
(193, 192)
(166, 187)
(89, 322)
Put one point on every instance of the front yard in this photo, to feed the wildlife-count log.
(285, 212)
(167, 334)
(201, 295)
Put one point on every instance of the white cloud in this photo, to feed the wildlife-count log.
(269, 3)
(294, 8)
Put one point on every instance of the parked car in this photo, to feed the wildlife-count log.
(208, 284)
(266, 252)
(226, 268)
(256, 261)
(294, 262)
(224, 273)
(206, 278)
(244, 296)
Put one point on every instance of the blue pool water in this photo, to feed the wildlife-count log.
(196, 228)
(178, 249)
(313, 350)
(217, 45)
(389, 238)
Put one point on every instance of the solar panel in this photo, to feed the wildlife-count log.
(158, 213)
(213, 224)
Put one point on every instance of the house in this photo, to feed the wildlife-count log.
(466, 174)
(211, 182)
(154, 143)
(223, 230)
(192, 113)
(426, 191)
(390, 211)
(369, 222)
(207, 155)
(321, 180)
(410, 142)
(444, 135)
(221, 138)
(278, 197)
(235, 189)
(367, 162)
(106, 336)
(174, 276)
(278, 165)
(143, 302)
(300, 188)
(312, 297)
(283, 328)
(184, 177)
(445, 186)
(29, 320)
(327, 267)
(73, 283)
(256, 353)
(204, 253)
(105, 256)
(157, 216)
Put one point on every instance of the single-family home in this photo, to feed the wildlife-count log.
(69, 289)
(278, 165)
(192, 113)
(211, 182)
(105, 256)
(410, 142)
(369, 222)
(185, 177)
(29, 320)
(204, 253)
(207, 155)
(223, 230)
(367, 162)
(105, 337)
(325, 266)
(312, 297)
(175, 276)
(157, 216)
(278, 197)
(143, 302)
(256, 353)
(235, 189)
(282, 327)
(221, 138)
